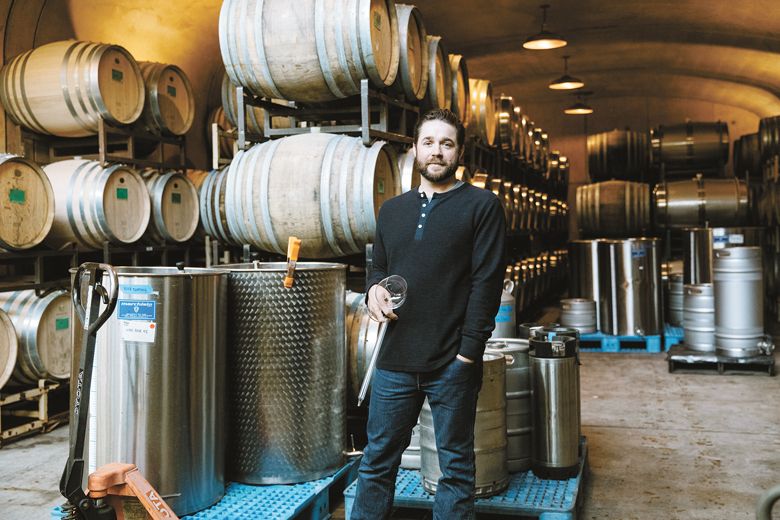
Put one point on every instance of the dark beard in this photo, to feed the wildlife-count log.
(444, 176)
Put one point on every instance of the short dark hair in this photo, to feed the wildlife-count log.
(442, 114)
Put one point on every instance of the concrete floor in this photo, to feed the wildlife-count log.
(662, 446)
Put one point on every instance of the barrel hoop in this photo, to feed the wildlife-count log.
(265, 210)
(260, 48)
(28, 113)
(326, 173)
(320, 18)
(255, 231)
(69, 94)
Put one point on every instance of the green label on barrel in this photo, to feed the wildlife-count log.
(171, 91)
(378, 21)
(121, 193)
(16, 196)
(61, 323)
(176, 198)
(116, 75)
(380, 186)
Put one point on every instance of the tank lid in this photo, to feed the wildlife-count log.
(281, 267)
(553, 347)
(139, 271)
(524, 329)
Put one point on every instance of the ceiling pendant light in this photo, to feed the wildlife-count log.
(580, 108)
(545, 39)
(566, 82)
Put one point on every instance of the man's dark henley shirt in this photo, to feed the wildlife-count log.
(450, 250)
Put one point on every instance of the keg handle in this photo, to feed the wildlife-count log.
(95, 283)
(509, 285)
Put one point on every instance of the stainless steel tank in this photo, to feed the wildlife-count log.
(490, 441)
(555, 399)
(699, 317)
(410, 458)
(674, 301)
(691, 147)
(630, 287)
(158, 398)
(697, 255)
(505, 318)
(584, 273)
(579, 313)
(286, 372)
(739, 301)
(518, 400)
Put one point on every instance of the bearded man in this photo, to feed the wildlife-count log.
(446, 238)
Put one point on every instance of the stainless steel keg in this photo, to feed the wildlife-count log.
(584, 273)
(579, 313)
(697, 255)
(674, 301)
(630, 287)
(555, 401)
(158, 398)
(362, 335)
(699, 317)
(286, 372)
(410, 459)
(739, 301)
(490, 446)
(518, 400)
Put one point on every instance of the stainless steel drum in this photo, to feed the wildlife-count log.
(584, 273)
(362, 335)
(579, 313)
(518, 400)
(410, 459)
(158, 397)
(674, 302)
(699, 202)
(699, 317)
(739, 301)
(489, 434)
(691, 146)
(286, 372)
(630, 287)
(555, 401)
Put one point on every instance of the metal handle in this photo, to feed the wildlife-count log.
(95, 284)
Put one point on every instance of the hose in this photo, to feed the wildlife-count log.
(765, 503)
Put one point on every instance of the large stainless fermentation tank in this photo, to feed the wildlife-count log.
(630, 287)
(286, 372)
(158, 396)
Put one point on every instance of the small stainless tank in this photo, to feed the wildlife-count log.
(518, 400)
(584, 273)
(579, 313)
(739, 301)
(490, 442)
(630, 287)
(286, 372)
(555, 405)
(158, 398)
(674, 302)
(699, 317)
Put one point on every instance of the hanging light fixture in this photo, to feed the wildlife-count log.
(545, 39)
(580, 108)
(566, 82)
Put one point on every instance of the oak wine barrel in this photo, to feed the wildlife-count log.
(412, 78)
(213, 215)
(410, 175)
(9, 348)
(613, 208)
(619, 154)
(254, 116)
(64, 88)
(439, 93)
(482, 120)
(508, 123)
(317, 51)
(26, 203)
(175, 207)
(169, 104)
(461, 101)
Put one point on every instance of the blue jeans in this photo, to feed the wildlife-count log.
(396, 400)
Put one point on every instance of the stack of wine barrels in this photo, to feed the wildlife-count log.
(94, 205)
(613, 208)
(42, 327)
(64, 88)
(330, 50)
(619, 154)
(264, 206)
(169, 106)
(175, 207)
(27, 207)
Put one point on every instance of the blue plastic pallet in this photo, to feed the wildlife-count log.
(308, 500)
(526, 495)
(672, 336)
(600, 342)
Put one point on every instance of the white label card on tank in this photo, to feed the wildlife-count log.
(736, 239)
(138, 330)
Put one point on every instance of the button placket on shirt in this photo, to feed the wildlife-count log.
(425, 208)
